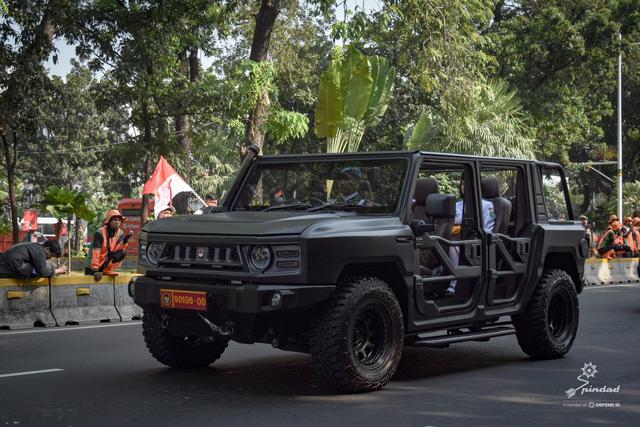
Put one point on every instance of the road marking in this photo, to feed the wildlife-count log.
(628, 285)
(18, 374)
(62, 329)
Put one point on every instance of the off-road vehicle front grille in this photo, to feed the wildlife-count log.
(225, 257)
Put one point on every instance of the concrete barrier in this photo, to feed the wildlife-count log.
(65, 300)
(625, 270)
(80, 299)
(25, 304)
(598, 271)
(124, 303)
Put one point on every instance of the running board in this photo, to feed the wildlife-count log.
(445, 340)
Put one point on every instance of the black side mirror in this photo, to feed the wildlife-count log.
(419, 227)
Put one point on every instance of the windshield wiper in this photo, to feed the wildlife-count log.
(336, 205)
(297, 205)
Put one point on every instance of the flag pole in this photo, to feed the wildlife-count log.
(200, 198)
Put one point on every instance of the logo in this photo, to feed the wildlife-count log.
(589, 371)
(201, 253)
(166, 298)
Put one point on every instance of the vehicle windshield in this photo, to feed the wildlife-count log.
(361, 186)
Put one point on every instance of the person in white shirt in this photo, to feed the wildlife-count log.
(488, 220)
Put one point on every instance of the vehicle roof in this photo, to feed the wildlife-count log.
(442, 156)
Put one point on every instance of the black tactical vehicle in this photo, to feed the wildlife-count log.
(350, 257)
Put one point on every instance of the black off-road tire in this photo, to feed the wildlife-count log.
(357, 338)
(548, 326)
(179, 352)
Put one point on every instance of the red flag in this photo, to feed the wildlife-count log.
(164, 184)
(30, 220)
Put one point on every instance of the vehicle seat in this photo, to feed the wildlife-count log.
(502, 207)
(424, 188)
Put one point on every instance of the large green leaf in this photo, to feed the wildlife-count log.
(422, 132)
(355, 84)
(383, 77)
(61, 203)
(329, 108)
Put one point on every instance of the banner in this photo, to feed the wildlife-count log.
(30, 220)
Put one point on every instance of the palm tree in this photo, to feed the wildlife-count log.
(354, 94)
(63, 203)
(487, 120)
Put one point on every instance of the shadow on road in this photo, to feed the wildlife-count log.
(291, 374)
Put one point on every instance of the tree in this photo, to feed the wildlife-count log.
(26, 41)
(632, 198)
(562, 58)
(353, 95)
(488, 121)
(62, 203)
(144, 47)
(72, 138)
(265, 23)
(265, 20)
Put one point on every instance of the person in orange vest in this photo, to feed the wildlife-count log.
(612, 243)
(108, 248)
(634, 237)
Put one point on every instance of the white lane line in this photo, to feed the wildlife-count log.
(628, 285)
(65, 328)
(18, 374)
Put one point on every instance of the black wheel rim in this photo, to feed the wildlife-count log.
(560, 317)
(370, 335)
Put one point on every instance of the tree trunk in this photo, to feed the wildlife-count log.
(194, 65)
(265, 23)
(76, 233)
(146, 121)
(182, 123)
(10, 159)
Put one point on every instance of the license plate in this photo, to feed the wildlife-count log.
(186, 300)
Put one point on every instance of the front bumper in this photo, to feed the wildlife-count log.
(248, 298)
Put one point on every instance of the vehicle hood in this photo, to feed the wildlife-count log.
(244, 223)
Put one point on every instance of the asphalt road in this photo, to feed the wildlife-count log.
(104, 377)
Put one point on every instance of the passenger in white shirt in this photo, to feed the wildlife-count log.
(488, 220)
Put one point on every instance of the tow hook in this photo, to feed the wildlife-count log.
(225, 330)
(164, 322)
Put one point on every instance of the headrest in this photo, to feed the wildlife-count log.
(490, 187)
(441, 205)
(425, 187)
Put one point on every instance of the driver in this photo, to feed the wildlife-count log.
(350, 186)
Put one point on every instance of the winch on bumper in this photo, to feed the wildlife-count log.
(247, 308)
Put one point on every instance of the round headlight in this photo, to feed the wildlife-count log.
(154, 250)
(260, 257)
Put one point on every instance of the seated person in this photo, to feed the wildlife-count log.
(278, 197)
(30, 260)
(108, 248)
(349, 187)
(488, 219)
(168, 212)
(612, 243)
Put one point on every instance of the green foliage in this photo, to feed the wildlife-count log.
(354, 93)
(5, 226)
(487, 121)
(285, 125)
(632, 198)
(62, 203)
